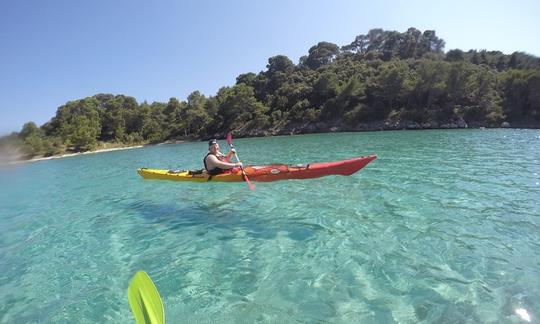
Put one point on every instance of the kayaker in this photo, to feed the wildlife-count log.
(216, 162)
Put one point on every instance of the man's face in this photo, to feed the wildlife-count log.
(214, 148)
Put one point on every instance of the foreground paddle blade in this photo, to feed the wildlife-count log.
(144, 300)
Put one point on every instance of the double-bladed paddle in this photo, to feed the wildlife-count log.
(229, 141)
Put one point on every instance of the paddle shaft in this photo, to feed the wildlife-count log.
(237, 158)
(251, 186)
(231, 145)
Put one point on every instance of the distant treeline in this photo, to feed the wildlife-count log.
(381, 80)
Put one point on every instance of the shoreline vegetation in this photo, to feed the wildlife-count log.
(103, 149)
(383, 80)
(412, 126)
(36, 159)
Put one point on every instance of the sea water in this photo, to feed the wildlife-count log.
(443, 227)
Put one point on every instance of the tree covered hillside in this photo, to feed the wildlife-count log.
(381, 80)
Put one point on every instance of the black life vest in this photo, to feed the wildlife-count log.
(216, 170)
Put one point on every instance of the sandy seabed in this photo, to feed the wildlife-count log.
(74, 154)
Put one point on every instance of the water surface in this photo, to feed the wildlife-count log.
(443, 227)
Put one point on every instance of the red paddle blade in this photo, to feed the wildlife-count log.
(229, 138)
(251, 186)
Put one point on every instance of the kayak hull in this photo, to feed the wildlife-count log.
(265, 173)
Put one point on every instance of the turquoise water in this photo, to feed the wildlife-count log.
(443, 227)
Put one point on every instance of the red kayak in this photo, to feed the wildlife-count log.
(265, 173)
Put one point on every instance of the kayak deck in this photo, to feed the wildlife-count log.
(265, 173)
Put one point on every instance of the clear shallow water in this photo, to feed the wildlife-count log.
(443, 227)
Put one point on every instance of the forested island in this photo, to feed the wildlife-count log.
(383, 80)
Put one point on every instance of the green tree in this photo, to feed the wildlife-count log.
(431, 43)
(326, 87)
(239, 109)
(456, 83)
(409, 47)
(521, 98)
(431, 84)
(29, 129)
(482, 94)
(33, 139)
(348, 97)
(246, 78)
(392, 85)
(119, 117)
(321, 54)
(533, 88)
(196, 117)
(279, 63)
(455, 55)
(175, 117)
(78, 123)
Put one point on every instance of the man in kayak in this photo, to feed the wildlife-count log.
(216, 162)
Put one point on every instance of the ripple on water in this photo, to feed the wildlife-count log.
(443, 227)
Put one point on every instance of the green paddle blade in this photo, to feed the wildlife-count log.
(144, 300)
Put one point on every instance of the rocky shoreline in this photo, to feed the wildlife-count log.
(384, 125)
(308, 128)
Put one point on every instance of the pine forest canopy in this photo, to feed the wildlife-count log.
(379, 80)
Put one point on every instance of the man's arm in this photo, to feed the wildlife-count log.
(213, 161)
(230, 155)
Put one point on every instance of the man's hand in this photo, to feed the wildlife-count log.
(238, 164)
(233, 151)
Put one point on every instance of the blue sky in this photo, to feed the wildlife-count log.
(58, 50)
